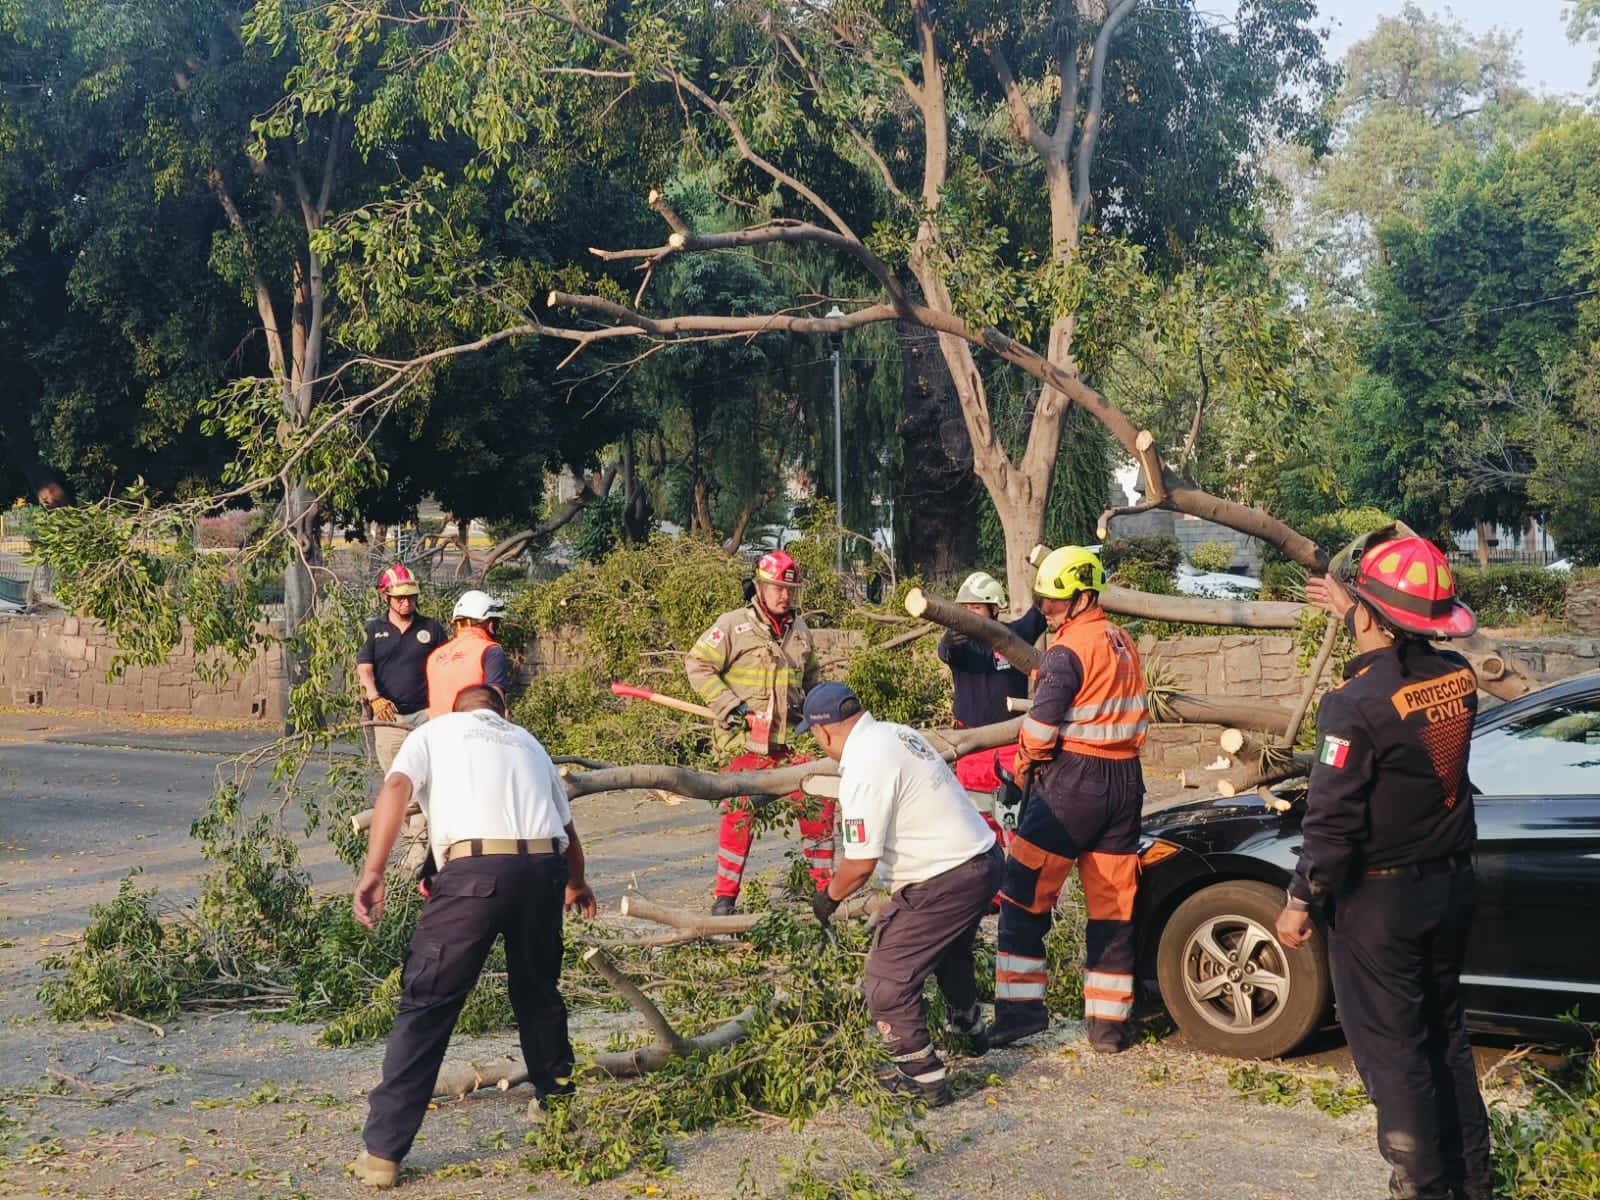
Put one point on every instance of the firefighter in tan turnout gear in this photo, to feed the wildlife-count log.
(1079, 767)
(752, 668)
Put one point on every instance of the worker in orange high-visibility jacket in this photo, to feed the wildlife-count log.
(1079, 765)
(473, 656)
(753, 668)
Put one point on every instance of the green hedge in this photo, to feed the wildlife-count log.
(1512, 594)
(1145, 563)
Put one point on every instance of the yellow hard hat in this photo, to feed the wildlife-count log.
(1066, 571)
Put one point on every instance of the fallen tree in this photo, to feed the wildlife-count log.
(1498, 674)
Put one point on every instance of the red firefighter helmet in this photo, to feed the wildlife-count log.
(398, 581)
(1412, 587)
(777, 567)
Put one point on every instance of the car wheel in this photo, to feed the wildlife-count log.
(1230, 984)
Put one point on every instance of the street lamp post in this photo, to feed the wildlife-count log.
(836, 340)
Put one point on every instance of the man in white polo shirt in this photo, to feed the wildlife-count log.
(906, 817)
(510, 861)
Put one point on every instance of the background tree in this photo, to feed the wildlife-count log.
(1483, 319)
(825, 97)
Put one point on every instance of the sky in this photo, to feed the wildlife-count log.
(1550, 63)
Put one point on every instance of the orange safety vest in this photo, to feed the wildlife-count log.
(456, 666)
(1108, 717)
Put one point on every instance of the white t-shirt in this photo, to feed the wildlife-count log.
(901, 804)
(477, 775)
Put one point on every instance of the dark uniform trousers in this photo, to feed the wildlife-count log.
(1084, 810)
(927, 929)
(473, 901)
(1395, 946)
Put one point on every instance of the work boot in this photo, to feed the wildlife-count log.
(548, 1100)
(722, 906)
(971, 1026)
(1013, 1022)
(934, 1093)
(375, 1172)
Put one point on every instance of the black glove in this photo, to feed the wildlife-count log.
(736, 716)
(1009, 798)
(824, 905)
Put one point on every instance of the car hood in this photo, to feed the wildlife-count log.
(1221, 823)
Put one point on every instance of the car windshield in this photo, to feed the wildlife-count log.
(1553, 751)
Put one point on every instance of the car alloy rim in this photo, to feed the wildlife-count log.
(1234, 974)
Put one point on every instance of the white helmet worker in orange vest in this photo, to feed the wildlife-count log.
(473, 656)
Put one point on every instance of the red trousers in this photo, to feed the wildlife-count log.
(976, 773)
(734, 838)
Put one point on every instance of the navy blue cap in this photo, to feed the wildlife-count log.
(827, 703)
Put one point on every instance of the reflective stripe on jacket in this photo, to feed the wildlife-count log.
(455, 666)
(1091, 694)
(740, 660)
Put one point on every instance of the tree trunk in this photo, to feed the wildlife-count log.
(940, 492)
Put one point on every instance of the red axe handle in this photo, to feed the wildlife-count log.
(631, 692)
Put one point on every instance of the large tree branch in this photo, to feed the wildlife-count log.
(515, 544)
(1095, 110)
(1023, 124)
(1180, 495)
(1177, 707)
(277, 357)
(730, 122)
(777, 781)
(684, 240)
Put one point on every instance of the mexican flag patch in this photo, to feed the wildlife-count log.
(855, 832)
(1334, 751)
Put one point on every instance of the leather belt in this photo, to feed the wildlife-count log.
(478, 847)
(1433, 866)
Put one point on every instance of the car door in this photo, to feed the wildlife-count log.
(1537, 768)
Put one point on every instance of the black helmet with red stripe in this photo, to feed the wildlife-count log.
(1407, 581)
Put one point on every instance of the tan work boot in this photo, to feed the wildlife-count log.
(375, 1172)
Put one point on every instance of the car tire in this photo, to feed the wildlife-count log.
(1230, 984)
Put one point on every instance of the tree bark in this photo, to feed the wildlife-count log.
(775, 781)
(940, 496)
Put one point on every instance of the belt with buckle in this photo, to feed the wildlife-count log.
(1433, 866)
(478, 847)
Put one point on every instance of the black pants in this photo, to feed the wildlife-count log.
(1395, 946)
(1085, 811)
(473, 901)
(928, 929)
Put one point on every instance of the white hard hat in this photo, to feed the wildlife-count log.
(981, 588)
(478, 606)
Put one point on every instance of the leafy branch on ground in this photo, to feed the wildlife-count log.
(1334, 1094)
(1547, 1149)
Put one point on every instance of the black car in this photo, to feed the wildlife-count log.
(1214, 874)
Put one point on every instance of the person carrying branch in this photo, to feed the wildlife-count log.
(908, 819)
(473, 656)
(1078, 765)
(1386, 861)
(510, 861)
(752, 668)
(983, 680)
(392, 663)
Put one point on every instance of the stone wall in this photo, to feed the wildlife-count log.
(1255, 668)
(59, 662)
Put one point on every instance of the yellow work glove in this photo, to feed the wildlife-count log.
(383, 709)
